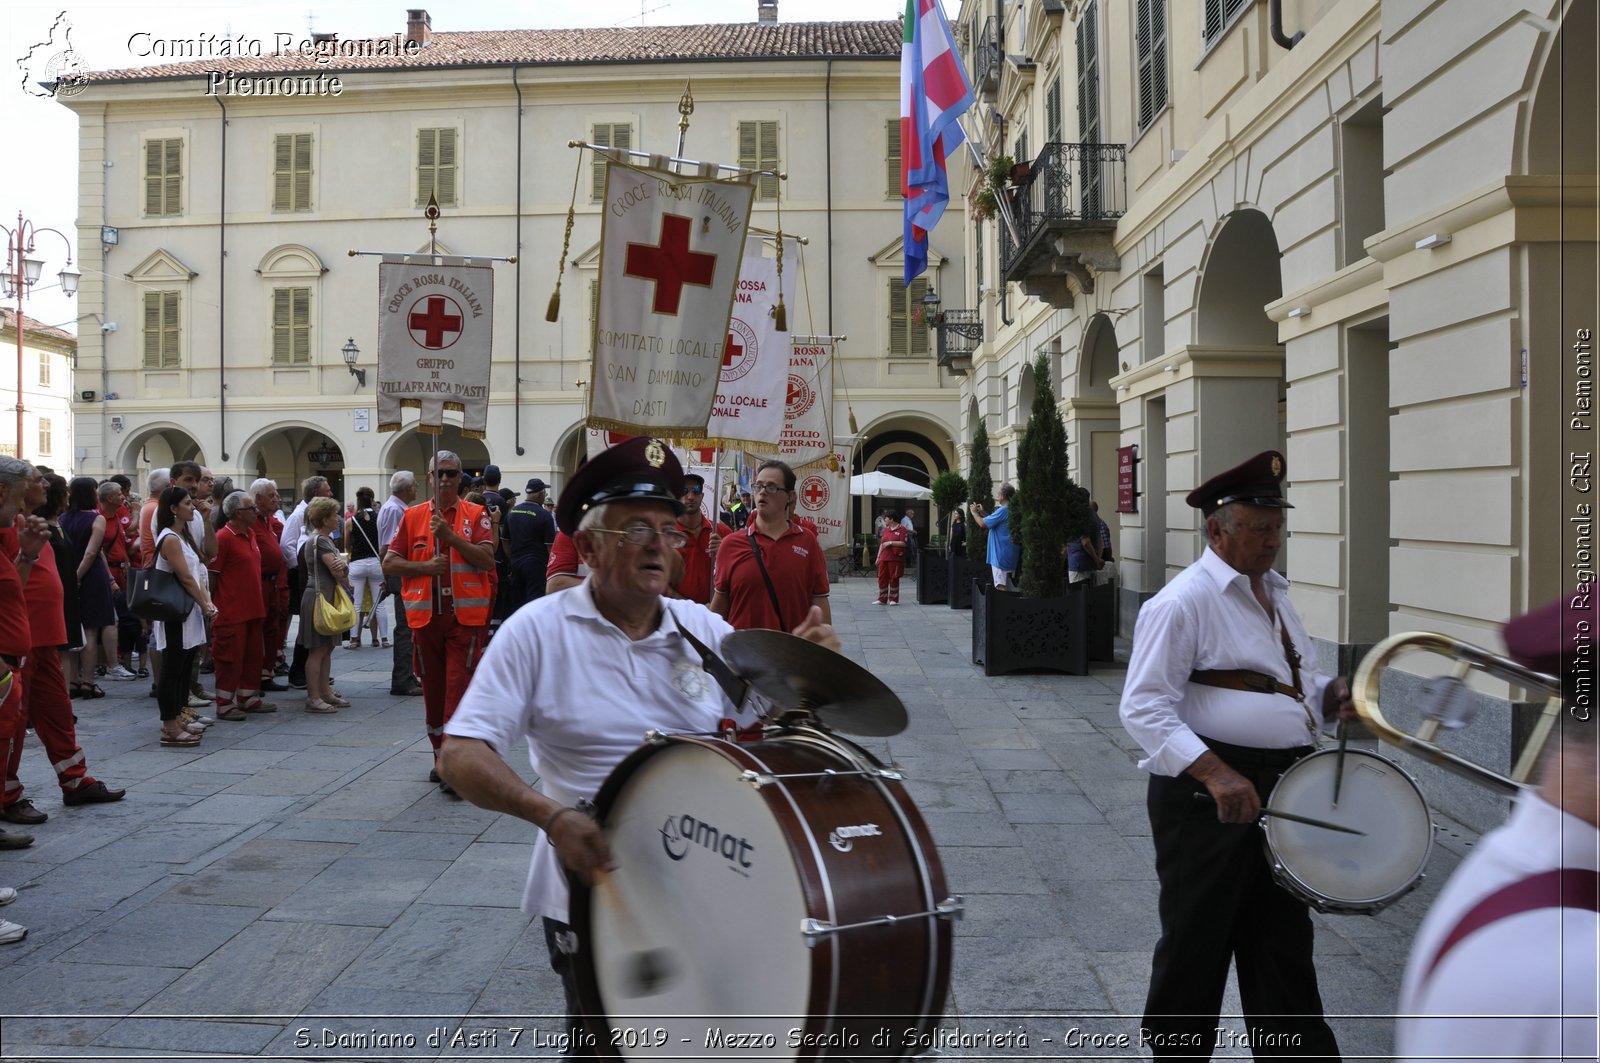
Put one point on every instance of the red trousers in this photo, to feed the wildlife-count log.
(39, 694)
(443, 654)
(889, 573)
(236, 649)
(275, 628)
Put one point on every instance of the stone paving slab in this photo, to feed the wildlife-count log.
(298, 872)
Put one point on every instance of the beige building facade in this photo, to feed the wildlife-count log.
(44, 370)
(1369, 243)
(216, 226)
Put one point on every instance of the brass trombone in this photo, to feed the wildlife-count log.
(1447, 704)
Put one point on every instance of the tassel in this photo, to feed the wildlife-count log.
(780, 317)
(855, 429)
(553, 311)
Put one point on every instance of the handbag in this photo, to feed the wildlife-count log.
(334, 617)
(157, 596)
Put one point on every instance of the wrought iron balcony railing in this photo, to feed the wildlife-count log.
(958, 333)
(1069, 186)
(986, 57)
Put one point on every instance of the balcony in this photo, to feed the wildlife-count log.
(1066, 209)
(959, 332)
(986, 57)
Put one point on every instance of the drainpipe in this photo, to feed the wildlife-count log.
(1275, 25)
(222, 288)
(827, 141)
(516, 328)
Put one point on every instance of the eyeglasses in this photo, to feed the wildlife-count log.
(644, 535)
(445, 474)
(769, 489)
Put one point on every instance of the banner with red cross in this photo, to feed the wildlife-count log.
(755, 358)
(435, 332)
(670, 251)
(808, 402)
(822, 493)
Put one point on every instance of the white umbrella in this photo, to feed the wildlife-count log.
(883, 485)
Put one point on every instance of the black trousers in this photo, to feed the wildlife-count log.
(1218, 904)
(563, 943)
(401, 675)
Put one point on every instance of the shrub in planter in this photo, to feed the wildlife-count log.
(980, 486)
(949, 491)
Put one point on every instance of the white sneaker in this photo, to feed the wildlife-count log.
(11, 932)
(7, 895)
(197, 702)
(119, 672)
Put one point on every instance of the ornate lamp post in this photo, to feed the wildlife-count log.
(21, 273)
(351, 352)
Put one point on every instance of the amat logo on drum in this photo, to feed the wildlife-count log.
(681, 834)
(842, 838)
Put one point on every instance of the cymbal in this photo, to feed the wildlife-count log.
(801, 675)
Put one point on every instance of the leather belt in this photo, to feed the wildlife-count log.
(14, 663)
(1242, 679)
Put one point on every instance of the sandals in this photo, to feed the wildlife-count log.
(76, 691)
(233, 713)
(320, 707)
(92, 690)
(338, 701)
(179, 740)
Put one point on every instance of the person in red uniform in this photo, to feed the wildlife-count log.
(44, 704)
(562, 570)
(236, 641)
(267, 531)
(891, 560)
(699, 554)
(443, 553)
(772, 572)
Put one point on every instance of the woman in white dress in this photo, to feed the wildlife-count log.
(179, 640)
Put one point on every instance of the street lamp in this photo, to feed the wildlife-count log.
(351, 352)
(964, 324)
(22, 273)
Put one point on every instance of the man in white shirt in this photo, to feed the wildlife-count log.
(1222, 696)
(582, 674)
(294, 533)
(402, 492)
(1506, 966)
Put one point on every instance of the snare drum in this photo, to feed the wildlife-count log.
(1336, 872)
(780, 900)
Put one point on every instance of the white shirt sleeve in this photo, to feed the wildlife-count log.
(293, 529)
(1165, 645)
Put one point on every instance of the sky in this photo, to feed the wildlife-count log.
(41, 179)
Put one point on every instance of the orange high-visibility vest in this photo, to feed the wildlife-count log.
(469, 586)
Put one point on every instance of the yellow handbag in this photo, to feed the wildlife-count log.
(336, 617)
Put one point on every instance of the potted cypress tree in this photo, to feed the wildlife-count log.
(949, 490)
(980, 489)
(1046, 626)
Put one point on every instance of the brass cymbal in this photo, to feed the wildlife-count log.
(802, 676)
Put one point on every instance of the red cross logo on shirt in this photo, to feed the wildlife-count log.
(670, 264)
(431, 326)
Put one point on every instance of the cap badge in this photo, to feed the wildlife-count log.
(655, 454)
(1277, 466)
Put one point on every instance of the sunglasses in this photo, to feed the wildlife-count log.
(694, 490)
(445, 474)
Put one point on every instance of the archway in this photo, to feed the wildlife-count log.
(1093, 421)
(288, 453)
(156, 446)
(906, 448)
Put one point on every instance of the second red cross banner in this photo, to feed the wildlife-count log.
(670, 250)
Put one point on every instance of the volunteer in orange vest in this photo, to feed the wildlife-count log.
(442, 555)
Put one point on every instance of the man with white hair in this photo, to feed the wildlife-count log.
(402, 492)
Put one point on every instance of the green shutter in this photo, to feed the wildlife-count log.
(618, 135)
(908, 331)
(1151, 48)
(300, 313)
(163, 177)
(891, 158)
(446, 186)
(302, 171)
(758, 150)
(281, 327)
(291, 326)
(152, 177)
(161, 330)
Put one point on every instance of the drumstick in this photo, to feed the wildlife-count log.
(1295, 818)
(1338, 763)
(650, 970)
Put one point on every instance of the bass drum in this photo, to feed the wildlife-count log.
(1349, 873)
(778, 900)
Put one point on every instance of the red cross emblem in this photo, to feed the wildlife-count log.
(670, 264)
(814, 493)
(435, 326)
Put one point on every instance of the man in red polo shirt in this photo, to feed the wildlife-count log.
(699, 554)
(772, 572)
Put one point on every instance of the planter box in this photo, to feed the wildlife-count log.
(962, 572)
(1102, 621)
(1011, 633)
(933, 576)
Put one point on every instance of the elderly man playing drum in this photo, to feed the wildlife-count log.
(1222, 695)
(1506, 965)
(583, 674)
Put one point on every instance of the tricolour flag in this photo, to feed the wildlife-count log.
(435, 324)
(934, 92)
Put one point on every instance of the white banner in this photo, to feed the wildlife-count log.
(755, 359)
(435, 332)
(808, 406)
(822, 492)
(670, 249)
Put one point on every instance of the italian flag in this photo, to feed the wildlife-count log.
(934, 93)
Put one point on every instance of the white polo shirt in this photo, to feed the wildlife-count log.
(583, 694)
(1524, 986)
(1206, 618)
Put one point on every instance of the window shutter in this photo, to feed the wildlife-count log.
(283, 172)
(302, 171)
(1089, 76)
(617, 135)
(1151, 43)
(908, 332)
(152, 176)
(977, 257)
(767, 186)
(172, 190)
(300, 315)
(1052, 112)
(1020, 151)
(160, 330)
(427, 164)
(897, 318)
(44, 369)
(894, 182)
(169, 329)
(446, 187)
(594, 311)
(282, 342)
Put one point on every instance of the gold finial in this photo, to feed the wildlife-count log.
(685, 107)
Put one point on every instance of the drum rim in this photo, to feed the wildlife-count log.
(1295, 884)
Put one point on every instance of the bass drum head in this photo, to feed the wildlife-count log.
(1337, 872)
(697, 934)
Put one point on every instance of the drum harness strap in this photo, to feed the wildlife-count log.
(1567, 887)
(715, 666)
(1261, 682)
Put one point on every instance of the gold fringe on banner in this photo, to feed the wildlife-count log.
(553, 311)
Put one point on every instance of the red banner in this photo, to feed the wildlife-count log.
(1128, 479)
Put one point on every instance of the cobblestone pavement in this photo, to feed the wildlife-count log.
(298, 879)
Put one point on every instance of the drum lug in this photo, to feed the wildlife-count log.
(655, 738)
(756, 779)
(954, 907)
